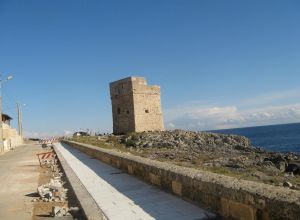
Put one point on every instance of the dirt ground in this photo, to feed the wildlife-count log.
(44, 209)
(19, 174)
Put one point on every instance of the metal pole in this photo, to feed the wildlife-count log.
(19, 124)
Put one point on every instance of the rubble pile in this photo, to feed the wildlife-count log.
(58, 211)
(54, 191)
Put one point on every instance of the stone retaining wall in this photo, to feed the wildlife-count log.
(230, 197)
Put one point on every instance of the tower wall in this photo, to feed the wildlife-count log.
(136, 107)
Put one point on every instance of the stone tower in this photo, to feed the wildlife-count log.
(136, 107)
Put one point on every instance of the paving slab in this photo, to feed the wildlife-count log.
(121, 196)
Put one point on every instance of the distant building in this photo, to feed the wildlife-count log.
(11, 138)
(136, 107)
(80, 133)
(6, 119)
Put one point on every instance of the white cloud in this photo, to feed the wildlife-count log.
(222, 117)
(68, 132)
(170, 126)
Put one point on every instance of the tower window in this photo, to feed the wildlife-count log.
(127, 112)
(119, 111)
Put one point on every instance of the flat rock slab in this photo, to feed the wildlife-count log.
(121, 196)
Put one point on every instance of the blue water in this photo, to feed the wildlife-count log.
(281, 138)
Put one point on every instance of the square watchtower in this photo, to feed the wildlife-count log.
(136, 107)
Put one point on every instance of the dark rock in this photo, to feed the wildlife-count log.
(279, 161)
(234, 166)
(294, 168)
(269, 167)
(287, 184)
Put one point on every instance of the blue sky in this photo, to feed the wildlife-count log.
(220, 64)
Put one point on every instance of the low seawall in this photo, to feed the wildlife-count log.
(230, 197)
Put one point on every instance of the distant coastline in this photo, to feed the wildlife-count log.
(281, 138)
(251, 127)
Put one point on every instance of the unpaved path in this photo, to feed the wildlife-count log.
(19, 175)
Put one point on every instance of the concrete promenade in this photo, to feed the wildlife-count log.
(19, 174)
(121, 196)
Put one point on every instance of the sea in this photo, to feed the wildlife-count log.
(281, 138)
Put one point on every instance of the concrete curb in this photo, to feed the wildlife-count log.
(88, 205)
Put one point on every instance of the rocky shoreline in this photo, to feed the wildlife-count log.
(231, 155)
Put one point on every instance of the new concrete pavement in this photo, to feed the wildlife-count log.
(121, 196)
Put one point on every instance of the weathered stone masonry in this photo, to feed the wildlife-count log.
(136, 107)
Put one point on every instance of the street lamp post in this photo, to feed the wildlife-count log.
(1, 118)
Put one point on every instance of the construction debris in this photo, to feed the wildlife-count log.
(54, 191)
(60, 211)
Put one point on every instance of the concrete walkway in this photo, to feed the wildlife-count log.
(19, 174)
(121, 196)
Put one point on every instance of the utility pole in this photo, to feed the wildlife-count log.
(19, 120)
